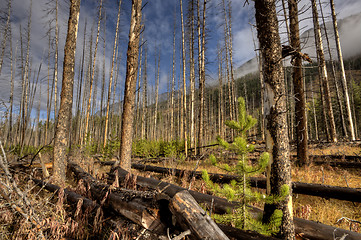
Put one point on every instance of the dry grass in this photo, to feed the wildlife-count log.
(327, 211)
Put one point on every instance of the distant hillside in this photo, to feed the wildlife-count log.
(350, 37)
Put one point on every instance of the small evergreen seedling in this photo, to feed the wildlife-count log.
(240, 190)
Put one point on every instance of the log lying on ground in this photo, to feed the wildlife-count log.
(339, 164)
(191, 216)
(70, 195)
(233, 232)
(308, 229)
(140, 207)
(347, 158)
(319, 190)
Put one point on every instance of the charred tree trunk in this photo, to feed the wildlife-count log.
(66, 100)
(277, 142)
(300, 101)
(126, 134)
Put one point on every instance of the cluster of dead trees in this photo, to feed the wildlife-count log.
(275, 116)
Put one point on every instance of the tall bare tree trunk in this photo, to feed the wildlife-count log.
(192, 76)
(156, 97)
(145, 98)
(48, 102)
(172, 85)
(202, 73)
(277, 142)
(137, 115)
(12, 69)
(333, 74)
(66, 98)
(300, 101)
(93, 69)
(220, 97)
(80, 86)
(184, 105)
(103, 82)
(7, 30)
(343, 75)
(56, 62)
(230, 49)
(314, 111)
(126, 135)
(111, 78)
(323, 72)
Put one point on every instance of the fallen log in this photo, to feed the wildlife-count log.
(142, 208)
(70, 195)
(347, 158)
(191, 216)
(356, 165)
(319, 190)
(308, 229)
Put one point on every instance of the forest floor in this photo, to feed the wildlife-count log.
(60, 217)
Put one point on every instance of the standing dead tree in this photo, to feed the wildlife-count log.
(66, 100)
(126, 134)
(277, 142)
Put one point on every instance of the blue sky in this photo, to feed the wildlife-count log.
(159, 20)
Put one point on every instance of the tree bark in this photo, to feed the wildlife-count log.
(126, 134)
(323, 73)
(93, 69)
(183, 121)
(191, 216)
(343, 75)
(66, 100)
(299, 95)
(277, 142)
(111, 78)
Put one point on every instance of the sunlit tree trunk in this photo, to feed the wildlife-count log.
(333, 74)
(343, 75)
(220, 97)
(66, 99)
(277, 142)
(156, 96)
(103, 82)
(93, 69)
(111, 78)
(56, 62)
(12, 71)
(144, 129)
(323, 72)
(172, 86)
(126, 134)
(137, 115)
(26, 82)
(202, 73)
(183, 121)
(314, 111)
(192, 75)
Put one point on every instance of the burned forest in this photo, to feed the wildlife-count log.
(180, 119)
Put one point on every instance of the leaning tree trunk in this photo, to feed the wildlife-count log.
(300, 101)
(323, 73)
(277, 142)
(343, 76)
(66, 98)
(126, 134)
